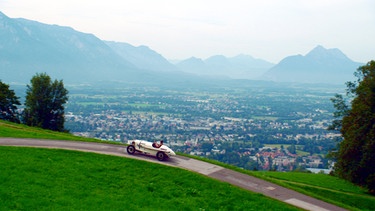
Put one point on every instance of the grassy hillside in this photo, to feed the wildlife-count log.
(61, 179)
(8, 129)
(321, 186)
(325, 187)
(50, 179)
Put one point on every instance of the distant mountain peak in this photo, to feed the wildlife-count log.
(4, 20)
(2, 15)
(193, 58)
(319, 52)
(239, 67)
(243, 56)
(142, 56)
(320, 65)
(319, 47)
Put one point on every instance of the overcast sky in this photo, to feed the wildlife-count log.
(267, 29)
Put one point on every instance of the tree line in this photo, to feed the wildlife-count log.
(43, 107)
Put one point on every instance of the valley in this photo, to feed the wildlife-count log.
(274, 127)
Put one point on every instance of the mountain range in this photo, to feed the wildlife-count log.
(28, 47)
(142, 57)
(320, 65)
(238, 67)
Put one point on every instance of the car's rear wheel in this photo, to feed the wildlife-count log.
(130, 149)
(161, 156)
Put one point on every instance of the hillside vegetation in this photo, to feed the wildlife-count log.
(44, 179)
(324, 187)
(78, 180)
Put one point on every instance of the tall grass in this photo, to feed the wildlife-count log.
(46, 179)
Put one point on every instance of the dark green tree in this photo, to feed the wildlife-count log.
(44, 105)
(8, 103)
(292, 149)
(342, 110)
(356, 152)
(207, 146)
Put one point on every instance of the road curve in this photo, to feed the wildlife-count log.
(210, 170)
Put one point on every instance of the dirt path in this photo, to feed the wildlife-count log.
(210, 170)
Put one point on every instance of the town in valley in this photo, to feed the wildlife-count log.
(276, 127)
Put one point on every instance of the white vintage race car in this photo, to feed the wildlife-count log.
(161, 152)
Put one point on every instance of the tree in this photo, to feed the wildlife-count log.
(356, 152)
(292, 149)
(207, 146)
(44, 103)
(8, 103)
(342, 109)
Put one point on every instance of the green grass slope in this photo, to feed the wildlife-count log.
(58, 179)
(51, 179)
(324, 187)
(8, 129)
(321, 186)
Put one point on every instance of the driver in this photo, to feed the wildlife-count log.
(156, 145)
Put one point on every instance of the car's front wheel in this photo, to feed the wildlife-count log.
(130, 149)
(161, 156)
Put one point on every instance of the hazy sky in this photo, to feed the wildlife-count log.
(267, 29)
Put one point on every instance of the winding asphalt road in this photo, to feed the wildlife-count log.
(210, 170)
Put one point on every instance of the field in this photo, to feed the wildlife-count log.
(45, 179)
(299, 152)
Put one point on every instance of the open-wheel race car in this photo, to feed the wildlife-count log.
(161, 151)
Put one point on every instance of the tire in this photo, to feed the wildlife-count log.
(130, 149)
(161, 156)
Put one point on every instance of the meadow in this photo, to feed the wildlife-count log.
(59, 179)
(321, 186)
(13, 130)
(52, 179)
